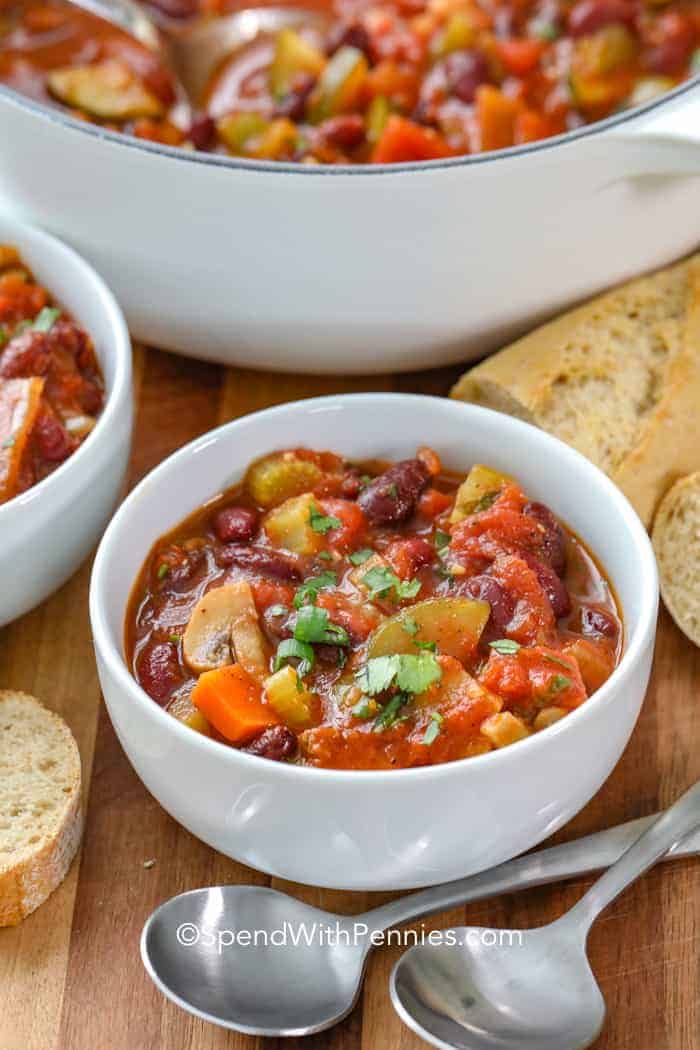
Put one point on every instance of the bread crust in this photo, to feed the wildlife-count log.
(520, 379)
(667, 559)
(26, 883)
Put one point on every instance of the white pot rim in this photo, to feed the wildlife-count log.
(120, 390)
(212, 160)
(637, 641)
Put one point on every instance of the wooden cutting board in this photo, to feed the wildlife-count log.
(71, 976)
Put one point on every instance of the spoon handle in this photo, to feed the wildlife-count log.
(682, 818)
(568, 860)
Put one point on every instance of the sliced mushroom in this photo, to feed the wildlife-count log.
(246, 635)
(108, 90)
(206, 643)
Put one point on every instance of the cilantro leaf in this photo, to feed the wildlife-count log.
(441, 539)
(378, 674)
(309, 589)
(390, 714)
(505, 646)
(313, 625)
(322, 523)
(433, 730)
(556, 660)
(293, 649)
(380, 581)
(410, 626)
(431, 647)
(45, 319)
(558, 684)
(417, 672)
(360, 557)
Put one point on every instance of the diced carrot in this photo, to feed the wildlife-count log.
(402, 140)
(397, 83)
(232, 702)
(496, 115)
(519, 57)
(531, 127)
(20, 400)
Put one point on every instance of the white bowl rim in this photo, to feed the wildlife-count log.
(57, 116)
(114, 659)
(120, 348)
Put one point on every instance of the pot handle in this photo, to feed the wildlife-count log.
(666, 143)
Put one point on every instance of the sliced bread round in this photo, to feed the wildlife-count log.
(676, 539)
(40, 811)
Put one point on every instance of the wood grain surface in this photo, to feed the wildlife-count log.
(71, 977)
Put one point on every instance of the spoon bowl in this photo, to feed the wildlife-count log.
(530, 989)
(249, 958)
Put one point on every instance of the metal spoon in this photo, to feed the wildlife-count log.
(532, 990)
(193, 946)
(194, 50)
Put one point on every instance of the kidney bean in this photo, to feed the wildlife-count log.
(598, 622)
(587, 16)
(392, 496)
(235, 524)
(28, 354)
(51, 438)
(344, 131)
(555, 591)
(260, 559)
(553, 538)
(465, 71)
(351, 34)
(275, 743)
(350, 486)
(183, 566)
(202, 131)
(293, 105)
(484, 588)
(158, 671)
(674, 38)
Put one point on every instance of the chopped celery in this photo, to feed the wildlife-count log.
(236, 129)
(340, 84)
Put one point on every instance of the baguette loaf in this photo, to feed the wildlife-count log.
(40, 814)
(676, 539)
(617, 378)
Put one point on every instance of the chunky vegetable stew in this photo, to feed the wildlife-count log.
(51, 389)
(384, 82)
(365, 616)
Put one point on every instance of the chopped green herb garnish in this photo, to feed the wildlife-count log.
(278, 610)
(308, 592)
(45, 319)
(325, 555)
(485, 502)
(505, 646)
(163, 570)
(410, 672)
(175, 639)
(9, 441)
(393, 492)
(431, 647)
(360, 557)
(441, 539)
(3, 336)
(365, 479)
(433, 730)
(559, 683)
(379, 581)
(364, 708)
(322, 523)
(556, 660)
(293, 649)
(390, 714)
(410, 626)
(546, 30)
(313, 625)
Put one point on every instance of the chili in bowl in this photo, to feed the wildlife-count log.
(371, 616)
(65, 412)
(315, 677)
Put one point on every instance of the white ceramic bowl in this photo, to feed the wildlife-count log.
(48, 531)
(365, 269)
(377, 830)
